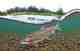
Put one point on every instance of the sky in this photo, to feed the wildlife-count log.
(48, 4)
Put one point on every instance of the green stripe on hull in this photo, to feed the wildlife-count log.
(18, 27)
(71, 23)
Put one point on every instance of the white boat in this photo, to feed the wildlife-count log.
(35, 19)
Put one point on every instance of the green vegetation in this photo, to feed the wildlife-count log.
(32, 13)
(31, 10)
(60, 11)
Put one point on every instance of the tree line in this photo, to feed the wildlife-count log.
(31, 9)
